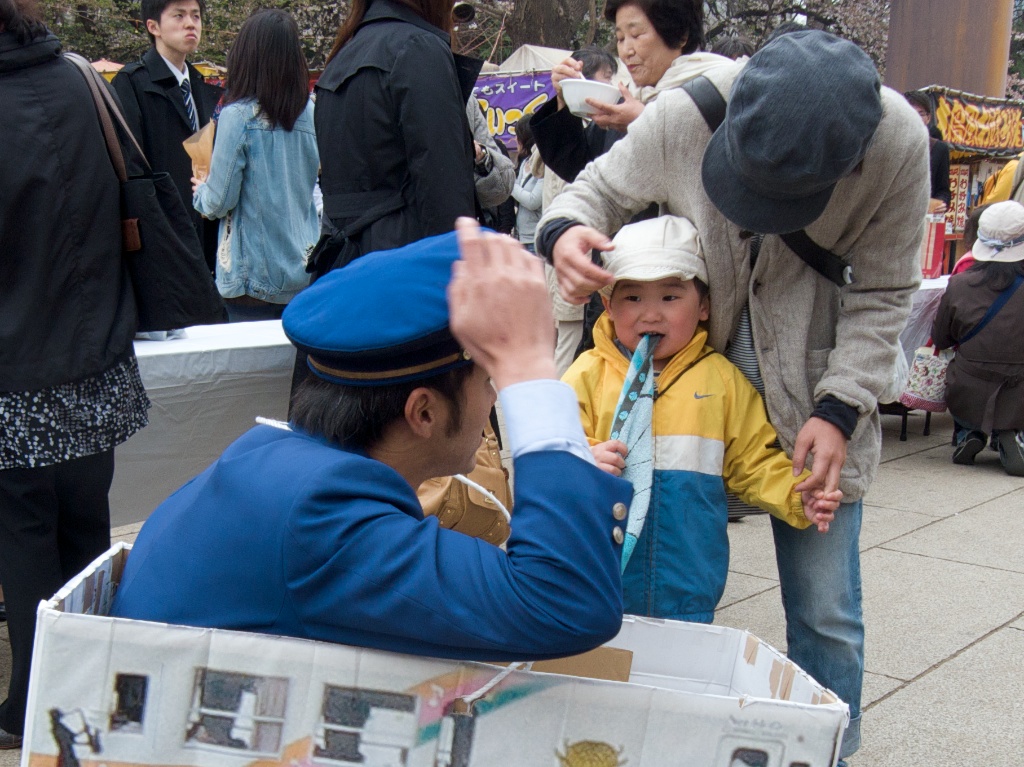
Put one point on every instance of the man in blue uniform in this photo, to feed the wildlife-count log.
(313, 529)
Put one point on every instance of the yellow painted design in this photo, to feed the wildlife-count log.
(974, 122)
(590, 753)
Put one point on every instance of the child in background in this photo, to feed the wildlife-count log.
(681, 422)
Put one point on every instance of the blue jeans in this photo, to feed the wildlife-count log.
(821, 594)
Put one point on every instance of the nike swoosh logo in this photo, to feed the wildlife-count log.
(702, 396)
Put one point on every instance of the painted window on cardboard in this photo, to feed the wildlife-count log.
(237, 711)
(366, 726)
(130, 706)
(749, 757)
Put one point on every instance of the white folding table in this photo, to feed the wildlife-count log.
(206, 390)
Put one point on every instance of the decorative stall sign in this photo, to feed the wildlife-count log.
(977, 125)
(506, 98)
(959, 192)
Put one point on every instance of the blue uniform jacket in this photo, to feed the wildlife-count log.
(286, 534)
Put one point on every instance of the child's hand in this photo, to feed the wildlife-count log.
(820, 507)
(610, 456)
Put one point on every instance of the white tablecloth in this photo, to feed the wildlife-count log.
(922, 315)
(206, 390)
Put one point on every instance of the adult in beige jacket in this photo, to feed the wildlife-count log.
(815, 342)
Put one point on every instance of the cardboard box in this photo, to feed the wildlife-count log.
(128, 693)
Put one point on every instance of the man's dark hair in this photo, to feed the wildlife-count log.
(595, 58)
(785, 28)
(356, 417)
(266, 63)
(733, 46)
(920, 99)
(679, 23)
(21, 18)
(154, 9)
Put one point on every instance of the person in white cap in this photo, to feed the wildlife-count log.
(681, 422)
(981, 315)
(809, 142)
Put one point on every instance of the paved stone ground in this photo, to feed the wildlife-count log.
(943, 583)
(943, 574)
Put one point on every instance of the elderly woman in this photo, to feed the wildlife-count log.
(981, 314)
(659, 42)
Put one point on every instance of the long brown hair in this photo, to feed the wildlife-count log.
(436, 12)
(266, 63)
(22, 19)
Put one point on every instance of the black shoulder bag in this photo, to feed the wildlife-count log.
(172, 284)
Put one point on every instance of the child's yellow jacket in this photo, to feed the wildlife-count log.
(711, 435)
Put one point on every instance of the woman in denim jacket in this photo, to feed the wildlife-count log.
(263, 170)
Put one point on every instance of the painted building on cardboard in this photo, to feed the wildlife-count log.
(123, 693)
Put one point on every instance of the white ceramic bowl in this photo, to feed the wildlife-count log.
(577, 90)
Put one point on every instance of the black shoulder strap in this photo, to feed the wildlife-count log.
(708, 100)
(824, 262)
(712, 108)
(993, 310)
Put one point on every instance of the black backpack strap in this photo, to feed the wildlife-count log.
(824, 262)
(708, 100)
(712, 108)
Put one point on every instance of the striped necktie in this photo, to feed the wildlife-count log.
(190, 106)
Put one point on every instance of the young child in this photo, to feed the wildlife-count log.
(681, 422)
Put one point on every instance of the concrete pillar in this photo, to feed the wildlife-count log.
(962, 44)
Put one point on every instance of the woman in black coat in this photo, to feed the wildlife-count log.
(70, 388)
(395, 146)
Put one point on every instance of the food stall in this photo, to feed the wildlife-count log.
(983, 134)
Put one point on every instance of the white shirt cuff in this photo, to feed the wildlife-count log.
(543, 415)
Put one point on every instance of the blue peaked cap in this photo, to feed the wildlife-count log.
(382, 319)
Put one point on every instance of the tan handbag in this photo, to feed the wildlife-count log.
(465, 509)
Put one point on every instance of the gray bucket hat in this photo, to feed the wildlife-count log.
(800, 118)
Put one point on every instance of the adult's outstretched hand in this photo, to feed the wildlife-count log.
(578, 275)
(499, 307)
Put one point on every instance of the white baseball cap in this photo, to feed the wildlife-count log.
(667, 246)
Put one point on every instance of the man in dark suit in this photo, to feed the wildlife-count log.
(166, 100)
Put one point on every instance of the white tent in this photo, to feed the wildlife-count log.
(537, 58)
(532, 58)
